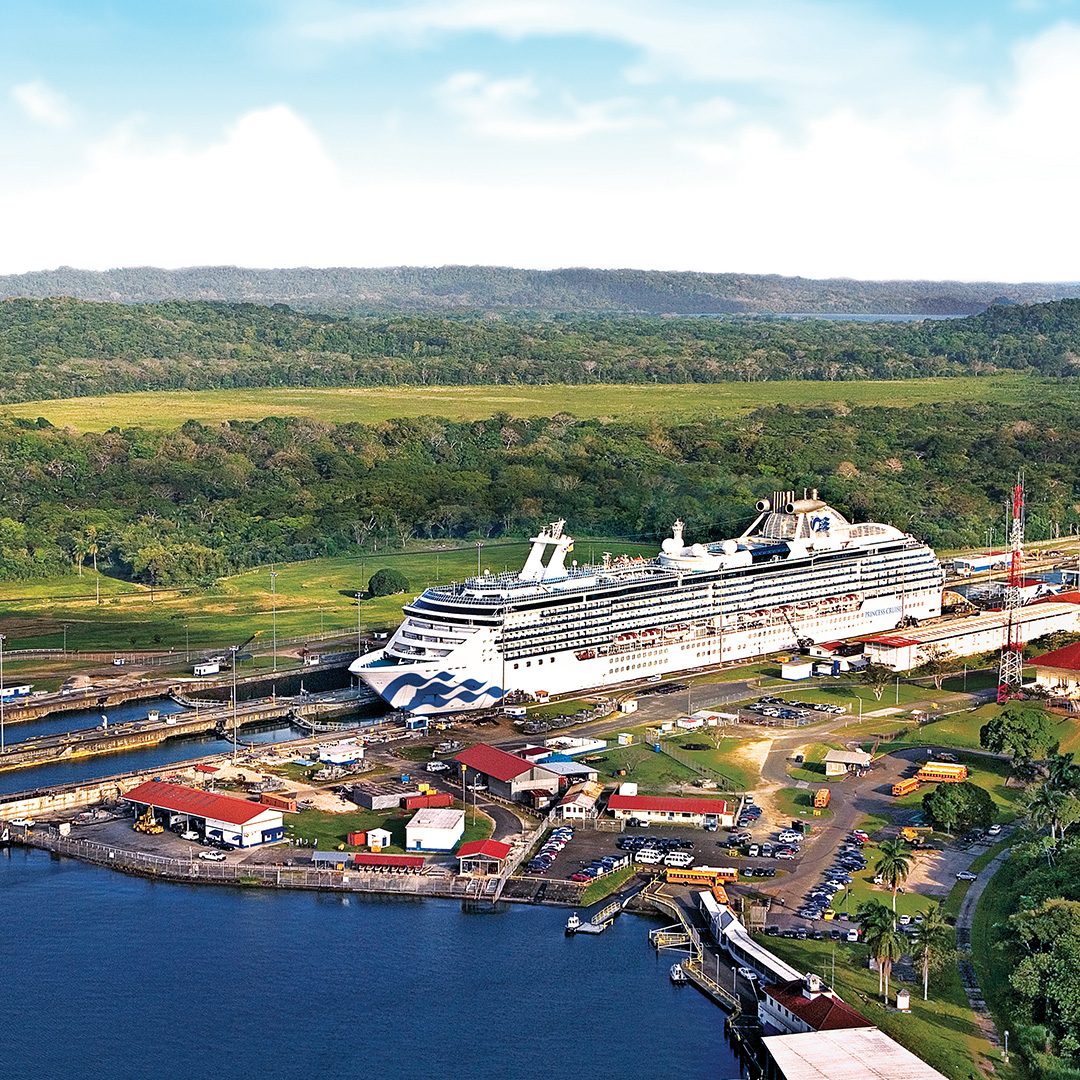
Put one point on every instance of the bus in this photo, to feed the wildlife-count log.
(942, 772)
(704, 876)
(905, 787)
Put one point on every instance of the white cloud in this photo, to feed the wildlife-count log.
(506, 108)
(981, 187)
(42, 103)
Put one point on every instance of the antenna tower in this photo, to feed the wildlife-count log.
(1011, 665)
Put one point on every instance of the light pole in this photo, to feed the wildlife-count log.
(3, 638)
(479, 546)
(273, 604)
(359, 644)
(234, 649)
(897, 689)
(1006, 1055)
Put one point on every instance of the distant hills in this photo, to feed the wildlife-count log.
(449, 290)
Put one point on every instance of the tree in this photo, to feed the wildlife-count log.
(885, 942)
(894, 865)
(877, 677)
(962, 806)
(936, 661)
(386, 582)
(1022, 731)
(932, 942)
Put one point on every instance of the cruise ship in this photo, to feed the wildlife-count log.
(801, 573)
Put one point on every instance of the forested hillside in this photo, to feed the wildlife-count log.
(192, 504)
(448, 289)
(68, 348)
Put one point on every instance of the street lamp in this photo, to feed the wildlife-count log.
(479, 546)
(359, 642)
(1006, 1046)
(273, 603)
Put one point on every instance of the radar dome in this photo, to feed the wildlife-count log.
(699, 550)
(671, 546)
(729, 547)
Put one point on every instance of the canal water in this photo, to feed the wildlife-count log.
(108, 976)
(88, 718)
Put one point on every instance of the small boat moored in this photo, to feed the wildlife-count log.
(573, 923)
(677, 974)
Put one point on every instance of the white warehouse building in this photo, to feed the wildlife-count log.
(435, 829)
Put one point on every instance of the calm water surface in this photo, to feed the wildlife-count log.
(108, 977)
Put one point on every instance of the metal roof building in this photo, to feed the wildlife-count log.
(508, 775)
(671, 809)
(482, 856)
(434, 829)
(221, 817)
(849, 1054)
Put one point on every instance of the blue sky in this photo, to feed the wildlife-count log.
(865, 139)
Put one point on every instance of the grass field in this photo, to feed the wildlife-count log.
(311, 596)
(986, 773)
(332, 829)
(942, 1030)
(169, 409)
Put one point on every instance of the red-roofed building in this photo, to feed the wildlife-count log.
(672, 810)
(1059, 671)
(508, 775)
(482, 856)
(805, 1004)
(366, 860)
(218, 817)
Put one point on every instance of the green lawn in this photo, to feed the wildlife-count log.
(331, 829)
(722, 759)
(312, 596)
(799, 802)
(170, 409)
(985, 773)
(652, 772)
(942, 1030)
(812, 768)
(605, 886)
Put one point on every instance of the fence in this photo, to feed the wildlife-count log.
(432, 881)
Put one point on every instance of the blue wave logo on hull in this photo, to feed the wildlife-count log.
(438, 692)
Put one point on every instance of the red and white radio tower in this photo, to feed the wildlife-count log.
(1011, 666)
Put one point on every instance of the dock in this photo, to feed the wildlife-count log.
(93, 742)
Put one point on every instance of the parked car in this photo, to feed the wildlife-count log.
(992, 831)
(212, 856)
(965, 875)
(749, 974)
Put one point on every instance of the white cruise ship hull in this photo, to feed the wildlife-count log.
(475, 675)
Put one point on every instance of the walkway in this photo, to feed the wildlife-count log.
(964, 920)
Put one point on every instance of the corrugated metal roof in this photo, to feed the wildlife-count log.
(668, 804)
(491, 761)
(185, 800)
(1066, 659)
(822, 1012)
(852, 1054)
(490, 849)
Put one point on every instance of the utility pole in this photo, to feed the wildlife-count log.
(273, 603)
(234, 649)
(3, 638)
(359, 643)
(479, 546)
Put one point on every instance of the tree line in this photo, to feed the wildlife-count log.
(192, 504)
(68, 348)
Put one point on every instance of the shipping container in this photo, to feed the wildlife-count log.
(905, 787)
(356, 839)
(279, 800)
(417, 802)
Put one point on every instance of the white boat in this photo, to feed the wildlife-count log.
(573, 924)
(564, 629)
(677, 974)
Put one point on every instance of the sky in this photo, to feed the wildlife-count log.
(878, 139)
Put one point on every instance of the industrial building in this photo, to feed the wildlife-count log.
(911, 648)
(363, 860)
(862, 1053)
(966, 565)
(671, 810)
(218, 817)
(346, 752)
(383, 796)
(841, 762)
(1059, 671)
(435, 829)
(571, 772)
(508, 775)
(579, 802)
(482, 857)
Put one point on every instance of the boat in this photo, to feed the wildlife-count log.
(677, 974)
(477, 644)
(573, 924)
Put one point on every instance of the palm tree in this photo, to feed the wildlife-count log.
(1044, 807)
(889, 945)
(931, 942)
(1062, 773)
(875, 920)
(894, 865)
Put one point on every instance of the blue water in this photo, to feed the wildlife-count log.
(88, 718)
(152, 757)
(106, 976)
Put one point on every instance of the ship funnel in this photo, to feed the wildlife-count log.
(803, 506)
(763, 505)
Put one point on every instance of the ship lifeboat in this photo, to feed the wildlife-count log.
(586, 654)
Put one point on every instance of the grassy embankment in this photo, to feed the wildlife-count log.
(331, 830)
(311, 596)
(169, 409)
(942, 1030)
